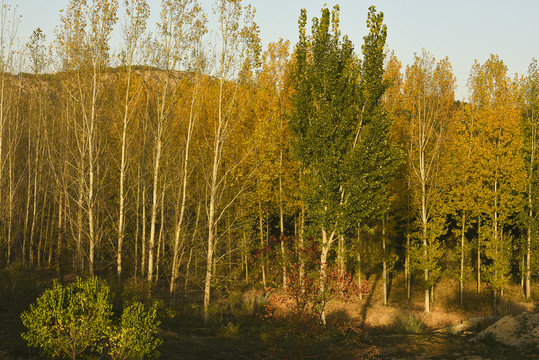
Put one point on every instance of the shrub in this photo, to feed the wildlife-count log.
(255, 301)
(77, 319)
(134, 337)
(408, 323)
(69, 320)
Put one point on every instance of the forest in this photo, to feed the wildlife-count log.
(187, 166)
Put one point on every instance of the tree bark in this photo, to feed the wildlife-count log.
(384, 259)
(462, 240)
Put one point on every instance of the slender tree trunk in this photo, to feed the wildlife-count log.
(462, 244)
(384, 258)
(479, 255)
(25, 241)
(263, 253)
(529, 239)
(143, 239)
(123, 167)
(10, 210)
(185, 170)
(407, 265)
(359, 278)
(137, 226)
(193, 238)
(408, 274)
(425, 247)
(60, 239)
(34, 208)
(79, 217)
(327, 240)
(42, 231)
(244, 261)
(214, 183)
(496, 240)
(302, 243)
(160, 238)
(91, 172)
(531, 175)
(153, 218)
(281, 207)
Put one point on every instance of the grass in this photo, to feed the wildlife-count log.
(238, 330)
(409, 323)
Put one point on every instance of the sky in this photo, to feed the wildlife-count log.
(462, 30)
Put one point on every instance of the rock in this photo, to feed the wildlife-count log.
(519, 331)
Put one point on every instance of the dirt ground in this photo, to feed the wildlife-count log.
(233, 338)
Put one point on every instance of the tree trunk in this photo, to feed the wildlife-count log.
(462, 240)
(153, 218)
(384, 259)
(408, 273)
(185, 170)
(263, 252)
(479, 255)
(326, 246)
(359, 279)
(60, 240)
(281, 207)
(91, 173)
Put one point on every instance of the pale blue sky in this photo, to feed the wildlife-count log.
(462, 30)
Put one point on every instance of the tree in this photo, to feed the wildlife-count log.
(83, 43)
(429, 93)
(69, 320)
(237, 55)
(530, 93)
(461, 175)
(324, 116)
(77, 319)
(196, 65)
(137, 13)
(501, 167)
(374, 158)
(9, 22)
(340, 131)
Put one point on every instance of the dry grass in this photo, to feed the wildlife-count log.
(445, 309)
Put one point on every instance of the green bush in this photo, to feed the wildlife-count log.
(134, 337)
(69, 321)
(408, 323)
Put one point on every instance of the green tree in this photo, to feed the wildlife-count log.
(324, 117)
(373, 160)
(77, 319)
(530, 94)
(67, 321)
(134, 337)
(340, 131)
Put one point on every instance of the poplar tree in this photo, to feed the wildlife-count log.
(324, 117)
(373, 160)
(340, 131)
(137, 13)
(501, 167)
(83, 42)
(530, 94)
(429, 94)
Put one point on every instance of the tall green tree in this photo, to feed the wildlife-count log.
(530, 97)
(340, 131)
(374, 158)
(323, 120)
